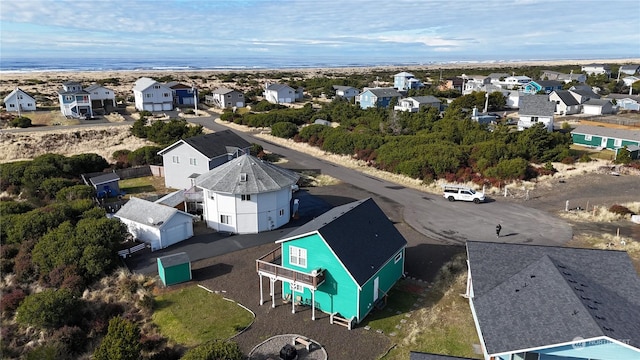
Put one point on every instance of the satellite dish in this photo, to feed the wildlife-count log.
(150, 220)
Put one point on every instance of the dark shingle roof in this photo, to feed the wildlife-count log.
(214, 144)
(360, 234)
(521, 289)
(385, 92)
(549, 83)
(103, 179)
(259, 177)
(597, 102)
(536, 105)
(426, 99)
(223, 91)
(566, 97)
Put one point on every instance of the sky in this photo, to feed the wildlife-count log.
(393, 30)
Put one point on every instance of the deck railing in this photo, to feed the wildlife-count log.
(271, 264)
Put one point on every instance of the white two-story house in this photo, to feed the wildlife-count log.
(101, 96)
(18, 101)
(151, 95)
(536, 109)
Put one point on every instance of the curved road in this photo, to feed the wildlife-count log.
(432, 215)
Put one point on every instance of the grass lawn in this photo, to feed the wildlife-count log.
(191, 316)
(147, 184)
(604, 154)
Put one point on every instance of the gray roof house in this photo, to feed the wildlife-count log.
(597, 107)
(415, 103)
(106, 184)
(185, 159)
(630, 69)
(562, 303)
(150, 95)
(101, 96)
(566, 104)
(536, 109)
(226, 98)
(346, 92)
(625, 102)
(74, 101)
(247, 195)
(18, 101)
(282, 94)
(377, 97)
(157, 225)
(582, 93)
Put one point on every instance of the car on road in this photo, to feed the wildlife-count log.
(462, 193)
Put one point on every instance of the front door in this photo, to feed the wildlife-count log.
(376, 288)
(603, 144)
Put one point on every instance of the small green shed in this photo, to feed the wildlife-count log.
(174, 269)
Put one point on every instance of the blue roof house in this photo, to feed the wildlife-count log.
(378, 97)
(553, 303)
(342, 263)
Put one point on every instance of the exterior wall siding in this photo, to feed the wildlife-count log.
(338, 294)
(390, 273)
(177, 174)
(580, 139)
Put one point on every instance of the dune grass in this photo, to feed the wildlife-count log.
(192, 316)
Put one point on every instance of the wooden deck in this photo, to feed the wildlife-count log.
(271, 265)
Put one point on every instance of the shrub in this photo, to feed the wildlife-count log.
(73, 337)
(21, 122)
(122, 341)
(215, 350)
(49, 351)
(49, 309)
(12, 299)
(75, 192)
(284, 130)
(620, 210)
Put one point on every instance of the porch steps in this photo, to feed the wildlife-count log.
(335, 318)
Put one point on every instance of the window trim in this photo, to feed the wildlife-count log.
(224, 217)
(298, 256)
(398, 257)
(245, 197)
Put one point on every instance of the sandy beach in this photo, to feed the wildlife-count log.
(47, 83)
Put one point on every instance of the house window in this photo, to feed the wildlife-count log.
(397, 258)
(617, 142)
(193, 161)
(12, 105)
(175, 159)
(298, 256)
(587, 137)
(225, 219)
(149, 95)
(29, 104)
(166, 94)
(229, 96)
(20, 97)
(534, 119)
(297, 288)
(156, 86)
(281, 212)
(68, 98)
(246, 197)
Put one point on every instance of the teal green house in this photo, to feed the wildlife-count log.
(174, 269)
(607, 138)
(342, 263)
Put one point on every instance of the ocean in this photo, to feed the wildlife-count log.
(16, 65)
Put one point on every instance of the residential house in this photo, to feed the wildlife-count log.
(414, 104)
(346, 92)
(106, 185)
(629, 80)
(151, 95)
(405, 81)
(631, 69)
(226, 98)
(378, 97)
(535, 86)
(565, 78)
(597, 107)
(513, 99)
(74, 101)
(18, 101)
(247, 195)
(516, 82)
(343, 262)
(597, 69)
(101, 97)
(625, 102)
(583, 93)
(566, 104)
(552, 302)
(497, 78)
(282, 94)
(188, 158)
(604, 137)
(183, 94)
(536, 109)
(157, 225)
(482, 117)
(474, 83)
(455, 83)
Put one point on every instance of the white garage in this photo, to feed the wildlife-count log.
(158, 225)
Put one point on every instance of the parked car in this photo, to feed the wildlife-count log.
(462, 193)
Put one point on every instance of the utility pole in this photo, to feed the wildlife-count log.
(195, 99)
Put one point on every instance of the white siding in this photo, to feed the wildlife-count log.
(177, 174)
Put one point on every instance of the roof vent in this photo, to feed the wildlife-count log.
(150, 220)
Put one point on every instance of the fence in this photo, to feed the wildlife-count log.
(134, 172)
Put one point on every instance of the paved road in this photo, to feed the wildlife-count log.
(430, 214)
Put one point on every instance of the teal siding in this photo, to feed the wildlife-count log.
(579, 139)
(629, 142)
(388, 276)
(175, 274)
(339, 292)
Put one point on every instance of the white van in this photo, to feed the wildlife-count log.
(456, 192)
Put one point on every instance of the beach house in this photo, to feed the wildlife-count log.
(186, 159)
(343, 263)
(183, 94)
(247, 195)
(378, 97)
(566, 104)
(552, 302)
(406, 81)
(596, 69)
(516, 81)
(606, 138)
(101, 97)
(346, 92)
(225, 98)
(535, 109)
(415, 103)
(546, 86)
(282, 94)
(151, 95)
(74, 101)
(18, 101)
